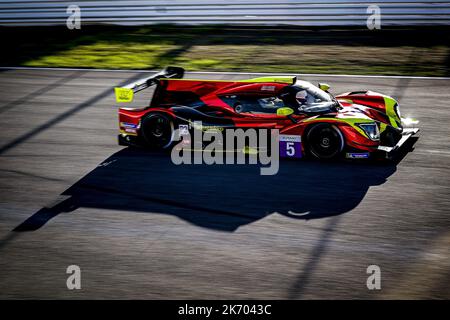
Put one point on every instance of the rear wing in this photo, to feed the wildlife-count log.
(126, 93)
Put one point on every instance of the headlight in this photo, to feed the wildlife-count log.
(371, 129)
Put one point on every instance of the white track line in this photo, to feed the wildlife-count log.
(233, 73)
(441, 152)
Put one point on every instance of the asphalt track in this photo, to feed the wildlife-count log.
(140, 227)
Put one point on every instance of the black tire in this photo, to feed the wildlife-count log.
(324, 141)
(390, 137)
(157, 130)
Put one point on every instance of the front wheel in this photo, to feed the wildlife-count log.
(157, 130)
(324, 141)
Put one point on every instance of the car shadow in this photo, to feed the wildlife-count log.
(220, 197)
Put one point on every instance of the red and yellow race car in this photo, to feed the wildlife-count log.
(352, 125)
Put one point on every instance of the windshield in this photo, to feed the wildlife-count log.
(305, 97)
(309, 93)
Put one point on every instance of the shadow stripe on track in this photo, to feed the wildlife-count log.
(58, 83)
(63, 116)
(319, 250)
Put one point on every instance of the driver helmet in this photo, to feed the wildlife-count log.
(300, 96)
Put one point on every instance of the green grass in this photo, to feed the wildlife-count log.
(423, 52)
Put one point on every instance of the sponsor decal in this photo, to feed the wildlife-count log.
(128, 125)
(197, 125)
(291, 138)
(361, 155)
(290, 146)
(184, 129)
(268, 88)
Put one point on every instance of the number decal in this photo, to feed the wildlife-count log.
(290, 150)
(290, 146)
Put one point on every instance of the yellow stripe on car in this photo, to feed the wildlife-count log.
(390, 111)
(351, 121)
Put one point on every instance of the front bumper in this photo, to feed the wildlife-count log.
(406, 134)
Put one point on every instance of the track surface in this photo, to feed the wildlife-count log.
(140, 227)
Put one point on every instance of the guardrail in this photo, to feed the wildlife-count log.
(253, 12)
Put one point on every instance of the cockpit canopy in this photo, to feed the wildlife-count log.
(307, 94)
(302, 97)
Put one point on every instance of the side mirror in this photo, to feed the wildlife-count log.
(324, 86)
(284, 111)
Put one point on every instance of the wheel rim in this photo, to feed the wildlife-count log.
(158, 128)
(325, 142)
(158, 131)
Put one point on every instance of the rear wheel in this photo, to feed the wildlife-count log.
(157, 130)
(324, 141)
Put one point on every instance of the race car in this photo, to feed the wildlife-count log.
(358, 124)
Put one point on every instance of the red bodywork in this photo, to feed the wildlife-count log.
(212, 97)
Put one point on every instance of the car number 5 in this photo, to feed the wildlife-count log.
(290, 146)
(290, 149)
